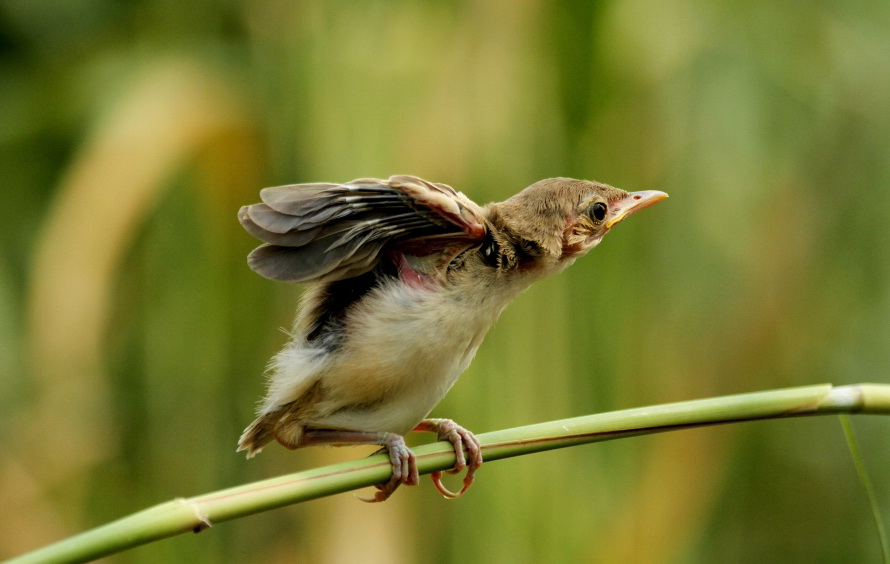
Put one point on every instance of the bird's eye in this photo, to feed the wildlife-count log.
(599, 211)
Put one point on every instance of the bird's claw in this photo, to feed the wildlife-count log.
(404, 469)
(467, 455)
(461, 439)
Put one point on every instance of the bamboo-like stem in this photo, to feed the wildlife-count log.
(200, 512)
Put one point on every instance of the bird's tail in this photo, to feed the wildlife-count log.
(257, 435)
(282, 424)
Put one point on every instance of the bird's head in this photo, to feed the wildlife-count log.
(566, 218)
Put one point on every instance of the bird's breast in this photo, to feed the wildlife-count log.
(404, 348)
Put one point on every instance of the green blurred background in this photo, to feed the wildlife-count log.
(133, 336)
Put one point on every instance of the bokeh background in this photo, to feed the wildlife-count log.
(133, 336)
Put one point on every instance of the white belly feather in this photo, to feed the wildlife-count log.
(404, 350)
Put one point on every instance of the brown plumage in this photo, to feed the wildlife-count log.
(408, 277)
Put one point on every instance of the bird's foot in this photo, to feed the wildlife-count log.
(461, 439)
(404, 468)
(402, 460)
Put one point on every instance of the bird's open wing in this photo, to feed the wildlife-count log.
(327, 232)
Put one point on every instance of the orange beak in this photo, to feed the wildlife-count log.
(632, 203)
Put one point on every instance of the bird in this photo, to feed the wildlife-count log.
(406, 277)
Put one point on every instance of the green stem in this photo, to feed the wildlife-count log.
(200, 512)
(864, 478)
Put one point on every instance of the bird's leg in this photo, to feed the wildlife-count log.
(461, 438)
(402, 460)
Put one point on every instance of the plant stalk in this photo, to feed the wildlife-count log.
(201, 512)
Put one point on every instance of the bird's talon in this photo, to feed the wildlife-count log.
(437, 481)
(367, 499)
(379, 496)
(467, 453)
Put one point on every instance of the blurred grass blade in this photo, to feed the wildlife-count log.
(170, 113)
(200, 512)
(864, 477)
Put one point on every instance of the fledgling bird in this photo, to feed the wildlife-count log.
(408, 276)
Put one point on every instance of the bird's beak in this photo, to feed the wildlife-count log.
(633, 202)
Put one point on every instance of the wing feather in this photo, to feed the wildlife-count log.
(327, 231)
